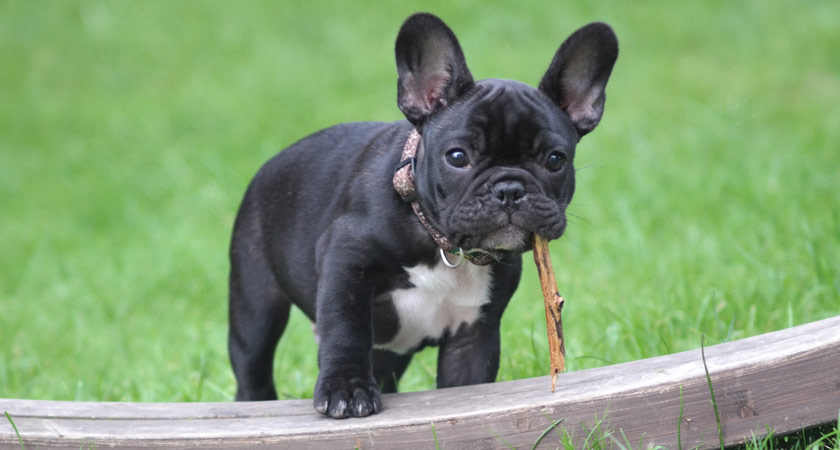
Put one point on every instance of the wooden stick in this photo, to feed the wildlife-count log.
(553, 308)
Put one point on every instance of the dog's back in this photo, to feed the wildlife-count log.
(305, 181)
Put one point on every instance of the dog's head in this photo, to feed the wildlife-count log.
(496, 160)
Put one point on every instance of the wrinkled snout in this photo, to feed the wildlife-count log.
(508, 192)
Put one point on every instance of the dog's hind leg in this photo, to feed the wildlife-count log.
(388, 368)
(259, 312)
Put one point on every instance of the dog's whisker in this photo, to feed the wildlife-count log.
(591, 166)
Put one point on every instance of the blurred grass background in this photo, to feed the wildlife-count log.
(707, 199)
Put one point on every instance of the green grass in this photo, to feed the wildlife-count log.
(818, 438)
(707, 200)
(597, 436)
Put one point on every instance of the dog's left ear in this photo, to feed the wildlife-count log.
(578, 74)
(431, 67)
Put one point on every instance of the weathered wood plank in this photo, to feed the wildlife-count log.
(788, 379)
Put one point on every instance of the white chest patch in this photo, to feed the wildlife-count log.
(441, 299)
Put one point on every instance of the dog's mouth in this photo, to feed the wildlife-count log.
(505, 240)
(512, 234)
(484, 223)
(508, 238)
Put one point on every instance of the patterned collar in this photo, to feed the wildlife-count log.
(404, 185)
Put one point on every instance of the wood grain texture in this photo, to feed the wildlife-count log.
(788, 379)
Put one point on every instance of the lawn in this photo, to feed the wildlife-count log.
(708, 199)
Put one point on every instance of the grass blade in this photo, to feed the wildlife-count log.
(711, 390)
(20, 440)
(553, 426)
(679, 423)
(503, 440)
(434, 433)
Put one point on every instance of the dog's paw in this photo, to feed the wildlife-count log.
(340, 397)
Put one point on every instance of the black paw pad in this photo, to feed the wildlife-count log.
(340, 397)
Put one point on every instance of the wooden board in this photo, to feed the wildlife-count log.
(788, 379)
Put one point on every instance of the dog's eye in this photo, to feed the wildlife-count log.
(555, 161)
(457, 158)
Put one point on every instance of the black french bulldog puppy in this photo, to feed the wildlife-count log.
(322, 226)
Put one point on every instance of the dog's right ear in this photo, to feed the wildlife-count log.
(431, 67)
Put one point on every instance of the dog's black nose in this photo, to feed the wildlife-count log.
(508, 192)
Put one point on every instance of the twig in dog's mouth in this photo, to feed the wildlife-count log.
(553, 308)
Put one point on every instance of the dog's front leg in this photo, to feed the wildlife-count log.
(470, 355)
(345, 386)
